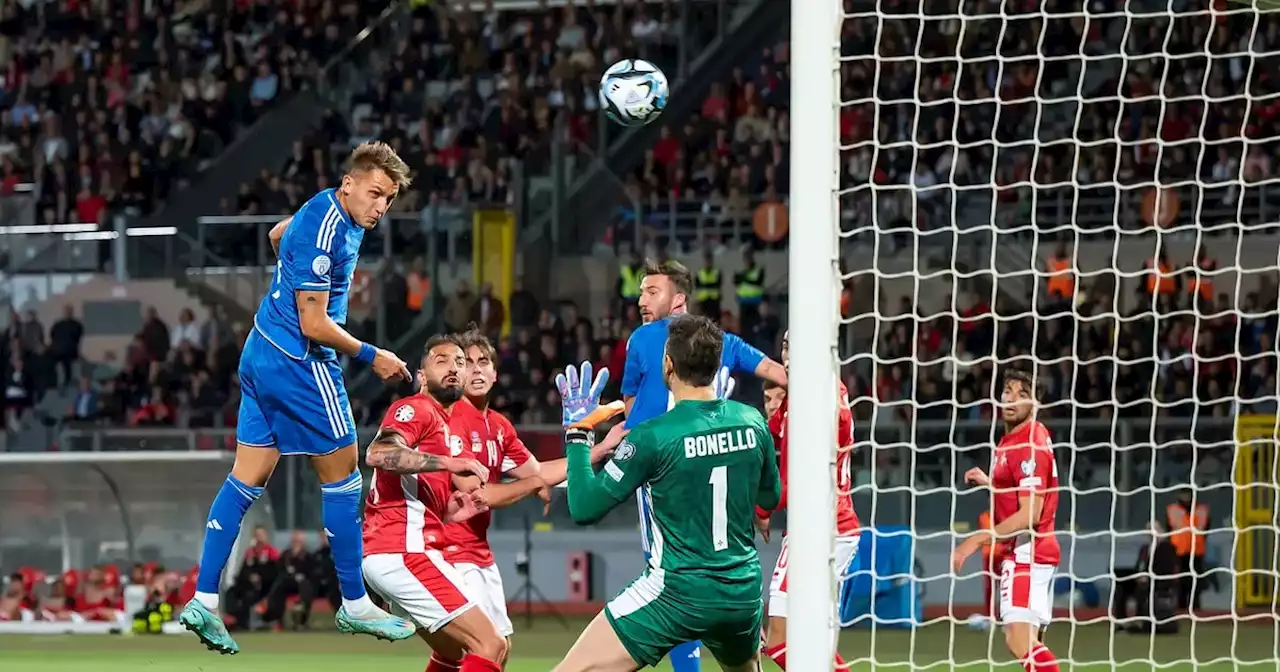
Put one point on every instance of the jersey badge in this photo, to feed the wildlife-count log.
(455, 445)
(476, 446)
(404, 413)
(321, 265)
(625, 451)
(1028, 467)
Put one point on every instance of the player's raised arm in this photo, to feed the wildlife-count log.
(741, 357)
(277, 234)
(318, 326)
(404, 428)
(591, 496)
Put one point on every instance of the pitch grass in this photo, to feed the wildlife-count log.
(538, 646)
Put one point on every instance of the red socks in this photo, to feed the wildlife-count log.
(473, 663)
(1041, 659)
(439, 664)
(778, 654)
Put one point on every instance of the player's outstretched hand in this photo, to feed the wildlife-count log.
(604, 450)
(390, 367)
(465, 465)
(976, 476)
(463, 506)
(580, 397)
(723, 384)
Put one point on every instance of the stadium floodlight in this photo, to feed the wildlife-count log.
(814, 316)
(982, 140)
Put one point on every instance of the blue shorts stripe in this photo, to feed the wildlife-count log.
(326, 396)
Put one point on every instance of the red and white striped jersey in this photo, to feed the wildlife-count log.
(1023, 464)
(846, 519)
(404, 512)
(490, 438)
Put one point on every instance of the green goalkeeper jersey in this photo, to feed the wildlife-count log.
(706, 465)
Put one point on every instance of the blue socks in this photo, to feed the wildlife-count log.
(341, 513)
(220, 532)
(685, 658)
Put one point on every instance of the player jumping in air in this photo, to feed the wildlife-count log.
(479, 432)
(847, 525)
(704, 466)
(408, 507)
(664, 292)
(1024, 503)
(294, 401)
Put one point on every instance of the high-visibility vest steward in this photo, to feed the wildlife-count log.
(630, 276)
(1202, 279)
(707, 285)
(1159, 281)
(1186, 532)
(751, 284)
(1062, 282)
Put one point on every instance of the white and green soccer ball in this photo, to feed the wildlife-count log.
(633, 92)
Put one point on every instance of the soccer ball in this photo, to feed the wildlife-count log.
(633, 92)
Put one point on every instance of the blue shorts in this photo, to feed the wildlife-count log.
(298, 407)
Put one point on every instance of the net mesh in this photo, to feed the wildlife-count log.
(1084, 191)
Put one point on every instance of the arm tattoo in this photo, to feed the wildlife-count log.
(389, 452)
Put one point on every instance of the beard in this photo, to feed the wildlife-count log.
(444, 394)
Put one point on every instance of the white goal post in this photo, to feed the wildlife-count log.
(814, 317)
(1095, 184)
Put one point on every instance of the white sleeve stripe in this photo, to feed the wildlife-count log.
(322, 284)
(328, 228)
(508, 464)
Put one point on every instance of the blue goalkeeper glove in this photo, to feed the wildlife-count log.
(580, 398)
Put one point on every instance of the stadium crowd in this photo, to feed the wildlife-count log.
(110, 106)
(273, 588)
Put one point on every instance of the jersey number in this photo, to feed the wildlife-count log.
(719, 502)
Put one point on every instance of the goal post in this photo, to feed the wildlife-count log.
(1085, 191)
(813, 320)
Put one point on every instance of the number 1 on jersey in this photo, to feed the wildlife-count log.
(719, 502)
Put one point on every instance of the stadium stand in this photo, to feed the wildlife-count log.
(108, 106)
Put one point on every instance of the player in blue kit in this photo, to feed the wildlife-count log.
(664, 291)
(294, 401)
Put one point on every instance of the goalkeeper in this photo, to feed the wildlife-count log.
(705, 465)
(664, 293)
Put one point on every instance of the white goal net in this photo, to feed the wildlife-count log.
(1085, 191)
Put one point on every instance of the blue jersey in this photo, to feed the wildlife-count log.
(319, 252)
(642, 378)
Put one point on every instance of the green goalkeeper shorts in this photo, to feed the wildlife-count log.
(650, 623)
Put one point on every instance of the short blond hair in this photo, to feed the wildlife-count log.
(379, 156)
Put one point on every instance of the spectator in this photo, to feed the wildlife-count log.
(19, 391)
(186, 331)
(64, 343)
(294, 579)
(155, 336)
(16, 602)
(488, 312)
(99, 597)
(87, 404)
(1150, 586)
(460, 307)
(30, 331)
(524, 306)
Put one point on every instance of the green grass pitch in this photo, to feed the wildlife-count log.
(537, 648)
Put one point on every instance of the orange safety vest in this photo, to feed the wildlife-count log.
(1187, 536)
(419, 288)
(1201, 282)
(1062, 282)
(1158, 281)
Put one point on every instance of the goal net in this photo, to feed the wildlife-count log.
(1081, 190)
